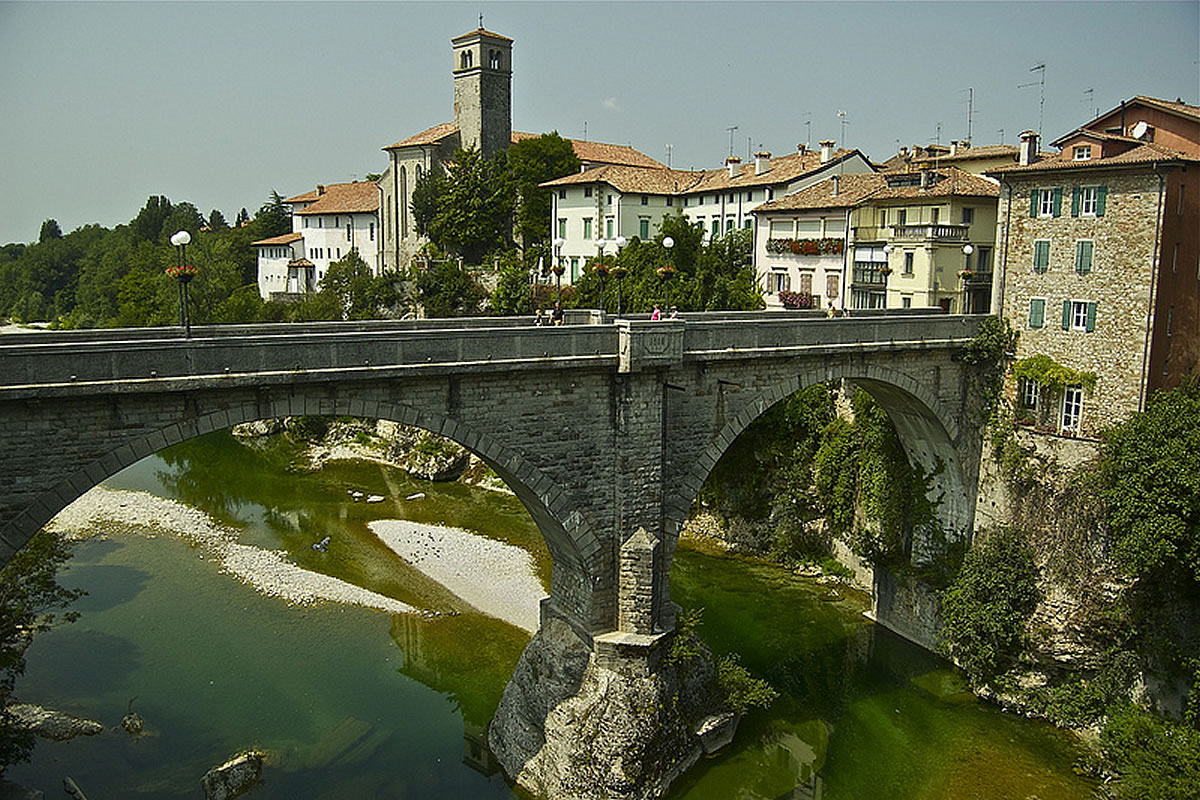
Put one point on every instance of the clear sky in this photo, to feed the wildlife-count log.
(218, 103)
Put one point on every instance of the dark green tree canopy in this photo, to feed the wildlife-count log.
(475, 207)
(534, 161)
(50, 230)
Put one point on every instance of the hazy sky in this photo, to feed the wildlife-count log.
(218, 103)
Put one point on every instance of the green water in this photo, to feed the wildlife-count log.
(354, 703)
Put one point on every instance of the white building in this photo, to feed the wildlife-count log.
(327, 223)
(607, 202)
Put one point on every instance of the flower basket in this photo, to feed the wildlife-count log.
(558, 269)
(183, 273)
(966, 274)
(618, 272)
(795, 300)
(885, 270)
(600, 268)
(666, 271)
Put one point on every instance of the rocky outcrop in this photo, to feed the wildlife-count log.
(233, 778)
(423, 454)
(51, 724)
(568, 726)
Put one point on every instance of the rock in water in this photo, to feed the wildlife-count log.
(133, 724)
(51, 724)
(234, 777)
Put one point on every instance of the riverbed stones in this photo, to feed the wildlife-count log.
(233, 778)
(570, 727)
(49, 723)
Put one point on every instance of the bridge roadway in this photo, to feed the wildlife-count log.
(605, 429)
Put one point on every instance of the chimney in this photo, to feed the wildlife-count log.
(925, 176)
(801, 149)
(954, 147)
(1029, 148)
(735, 166)
(826, 150)
(320, 188)
(834, 193)
(762, 162)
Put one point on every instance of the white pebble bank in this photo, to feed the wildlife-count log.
(494, 577)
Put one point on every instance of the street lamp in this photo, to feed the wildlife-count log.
(966, 275)
(666, 271)
(557, 269)
(601, 268)
(183, 272)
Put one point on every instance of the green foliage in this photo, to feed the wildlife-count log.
(1155, 759)
(512, 295)
(29, 597)
(448, 290)
(428, 187)
(1084, 701)
(985, 610)
(1051, 375)
(273, 217)
(1150, 484)
(50, 230)
(989, 351)
(534, 161)
(742, 691)
(475, 206)
(351, 285)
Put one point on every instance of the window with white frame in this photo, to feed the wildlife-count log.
(909, 258)
(1045, 203)
(778, 281)
(644, 228)
(1072, 409)
(1088, 197)
(1079, 315)
(1082, 152)
(1031, 392)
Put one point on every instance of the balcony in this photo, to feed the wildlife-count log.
(930, 233)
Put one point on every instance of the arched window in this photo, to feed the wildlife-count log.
(466, 59)
(494, 59)
(403, 202)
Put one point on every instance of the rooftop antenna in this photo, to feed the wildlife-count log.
(585, 130)
(808, 130)
(670, 147)
(1089, 96)
(1041, 69)
(749, 149)
(1001, 132)
(970, 110)
(842, 116)
(731, 129)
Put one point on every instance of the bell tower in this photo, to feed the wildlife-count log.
(483, 90)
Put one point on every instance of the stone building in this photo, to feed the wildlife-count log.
(482, 71)
(893, 240)
(1100, 265)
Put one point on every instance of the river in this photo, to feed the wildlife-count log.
(353, 702)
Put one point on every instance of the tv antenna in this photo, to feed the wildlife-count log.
(842, 116)
(731, 130)
(970, 110)
(670, 147)
(1041, 82)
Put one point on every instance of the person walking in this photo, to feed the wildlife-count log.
(656, 314)
(557, 317)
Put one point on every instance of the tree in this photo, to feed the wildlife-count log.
(148, 224)
(352, 287)
(448, 290)
(242, 217)
(475, 209)
(427, 192)
(50, 230)
(273, 217)
(1150, 479)
(512, 295)
(533, 162)
(29, 596)
(216, 221)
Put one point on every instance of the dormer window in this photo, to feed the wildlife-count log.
(1082, 152)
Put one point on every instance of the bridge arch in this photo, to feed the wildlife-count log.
(931, 436)
(571, 540)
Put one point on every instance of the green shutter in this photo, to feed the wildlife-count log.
(1075, 193)
(1101, 193)
(1083, 256)
(1033, 204)
(1041, 255)
(1091, 317)
(1037, 312)
(1058, 201)
(1066, 321)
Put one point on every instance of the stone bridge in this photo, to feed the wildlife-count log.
(605, 430)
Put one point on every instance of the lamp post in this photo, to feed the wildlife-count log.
(557, 269)
(601, 268)
(183, 272)
(665, 272)
(966, 275)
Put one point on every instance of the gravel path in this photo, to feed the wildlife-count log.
(494, 577)
(267, 571)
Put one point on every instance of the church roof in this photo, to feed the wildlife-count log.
(588, 152)
(481, 31)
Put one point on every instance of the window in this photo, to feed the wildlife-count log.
(587, 191)
(1082, 152)
(902, 216)
(731, 197)
(906, 301)
(645, 200)
(1079, 315)
(909, 257)
(747, 223)
(372, 231)
(347, 231)
(670, 200)
(806, 282)
(562, 194)
(935, 215)
(587, 227)
(716, 227)
(494, 59)
(749, 197)
(831, 286)
(466, 60)
(1088, 201)
(1037, 312)
(882, 217)
(983, 259)
(1046, 203)
(608, 228)
(644, 228)
(574, 269)
(1083, 255)
(562, 228)
(1182, 192)
(1072, 409)
(778, 281)
(610, 199)
(1041, 255)
(1030, 393)
(968, 216)
(728, 224)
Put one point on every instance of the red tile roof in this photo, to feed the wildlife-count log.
(855, 190)
(633, 179)
(588, 152)
(481, 32)
(286, 238)
(1145, 153)
(359, 197)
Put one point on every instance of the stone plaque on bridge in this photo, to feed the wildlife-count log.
(643, 343)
